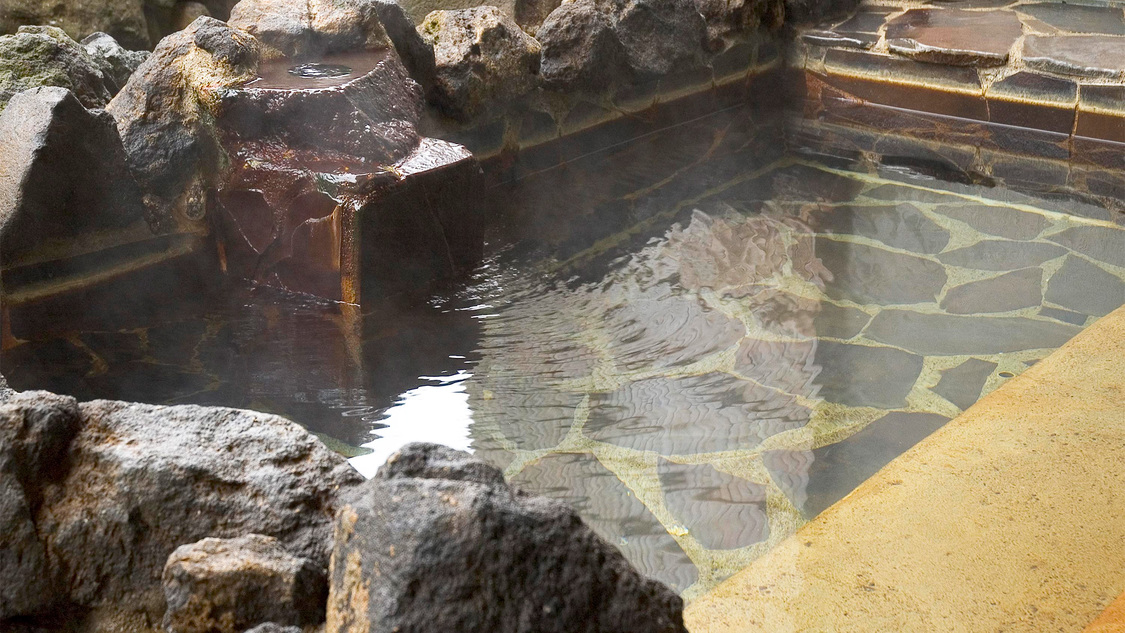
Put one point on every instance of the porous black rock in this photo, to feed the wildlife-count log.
(427, 553)
(227, 585)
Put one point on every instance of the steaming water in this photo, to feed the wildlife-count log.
(699, 359)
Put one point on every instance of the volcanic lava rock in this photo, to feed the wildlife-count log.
(484, 61)
(46, 56)
(589, 45)
(581, 51)
(97, 496)
(229, 585)
(271, 627)
(471, 554)
(416, 53)
(305, 29)
(144, 479)
(661, 37)
(35, 430)
(6, 392)
(62, 172)
(123, 19)
(117, 63)
(169, 137)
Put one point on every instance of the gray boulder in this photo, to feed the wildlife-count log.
(311, 28)
(6, 392)
(731, 20)
(45, 56)
(415, 553)
(485, 62)
(117, 62)
(123, 19)
(63, 172)
(590, 45)
(168, 133)
(581, 50)
(227, 585)
(271, 627)
(144, 480)
(35, 430)
(417, 55)
(95, 497)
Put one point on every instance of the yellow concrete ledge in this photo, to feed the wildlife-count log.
(1010, 518)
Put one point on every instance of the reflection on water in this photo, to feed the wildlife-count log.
(700, 345)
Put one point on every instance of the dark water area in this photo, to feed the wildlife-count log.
(698, 338)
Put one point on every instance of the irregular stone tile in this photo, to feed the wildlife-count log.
(1083, 287)
(535, 418)
(954, 37)
(859, 31)
(790, 471)
(721, 511)
(1035, 101)
(801, 182)
(1066, 316)
(1010, 291)
(839, 468)
(899, 193)
(1077, 18)
(998, 221)
(668, 332)
(838, 321)
(1095, 56)
(686, 416)
(819, 37)
(901, 226)
(941, 334)
(865, 376)
(784, 365)
(613, 511)
(1001, 255)
(1096, 242)
(866, 274)
(961, 385)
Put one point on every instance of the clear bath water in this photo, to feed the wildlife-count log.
(698, 354)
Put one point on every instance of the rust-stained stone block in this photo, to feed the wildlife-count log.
(1101, 113)
(1035, 101)
(954, 37)
(1094, 56)
(949, 90)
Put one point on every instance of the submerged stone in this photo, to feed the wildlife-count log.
(1085, 288)
(940, 334)
(902, 226)
(865, 375)
(867, 274)
(613, 511)
(1101, 243)
(720, 510)
(839, 468)
(1001, 255)
(997, 220)
(1010, 291)
(686, 416)
(962, 384)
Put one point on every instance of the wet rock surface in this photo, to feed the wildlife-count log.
(46, 56)
(952, 36)
(484, 61)
(404, 546)
(173, 149)
(63, 173)
(230, 585)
